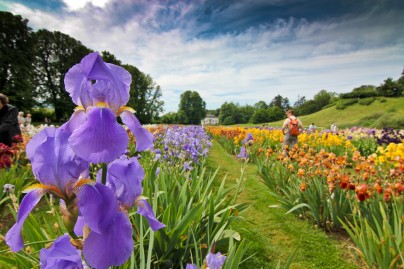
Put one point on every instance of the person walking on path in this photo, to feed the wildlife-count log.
(9, 127)
(291, 129)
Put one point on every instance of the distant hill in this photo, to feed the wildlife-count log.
(383, 112)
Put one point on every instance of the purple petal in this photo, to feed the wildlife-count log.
(144, 139)
(78, 86)
(97, 205)
(13, 236)
(145, 210)
(191, 266)
(125, 178)
(113, 247)
(61, 255)
(215, 261)
(100, 138)
(53, 161)
(112, 83)
(76, 120)
(79, 226)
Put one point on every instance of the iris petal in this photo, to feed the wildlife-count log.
(145, 210)
(40, 151)
(144, 139)
(115, 79)
(113, 247)
(61, 255)
(13, 236)
(125, 178)
(100, 138)
(78, 227)
(98, 206)
(77, 85)
(53, 161)
(76, 120)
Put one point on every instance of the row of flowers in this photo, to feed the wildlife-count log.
(328, 181)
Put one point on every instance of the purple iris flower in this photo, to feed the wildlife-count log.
(248, 138)
(64, 174)
(215, 261)
(191, 266)
(124, 178)
(101, 91)
(57, 169)
(243, 153)
(110, 240)
(61, 255)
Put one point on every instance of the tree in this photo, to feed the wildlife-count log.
(307, 108)
(169, 118)
(246, 113)
(144, 96)
(193, 106)
(55, 54)
(300, 101)
(260, 104)
(260, 116)
(275, 113)
(16, 58)
(280, 102)
(322, 98)
(389, 88)
(108, 57)
(214, 112)
(228, 113)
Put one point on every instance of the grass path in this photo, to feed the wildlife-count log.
(274, 236)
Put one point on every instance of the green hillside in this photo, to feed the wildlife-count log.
(383, 112)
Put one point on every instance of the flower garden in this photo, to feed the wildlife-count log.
(93, 193)
(352, 181)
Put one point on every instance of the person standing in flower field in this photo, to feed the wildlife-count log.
(291, 129)
(9, 127)
(28, 120)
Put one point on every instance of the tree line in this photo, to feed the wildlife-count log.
(33, 66)
(192, 107)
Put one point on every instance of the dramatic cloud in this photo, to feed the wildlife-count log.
(240, 52)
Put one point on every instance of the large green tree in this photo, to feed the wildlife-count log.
(16, 57)
(229, 113)
(145, 96)
(193, 106)
(389, 88)
(322, 98)
(55, 54)
(281, 102)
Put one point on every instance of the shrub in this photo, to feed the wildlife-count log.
(366, 101)
(39, 114)
(389, 121)
(343, 103)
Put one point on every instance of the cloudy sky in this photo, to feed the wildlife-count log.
(237, 51)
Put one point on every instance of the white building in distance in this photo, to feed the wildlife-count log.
(210, 120)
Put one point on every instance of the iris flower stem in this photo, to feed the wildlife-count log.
(104, 173)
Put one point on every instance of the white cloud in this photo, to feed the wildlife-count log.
(73, 5)
(291, 57)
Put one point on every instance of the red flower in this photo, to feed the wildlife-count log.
(362, 192)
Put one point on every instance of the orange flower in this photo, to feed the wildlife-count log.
(362, 192)
(303, 186)
(300, 172)
(344, 182)
(378, 188)
(291, 167)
